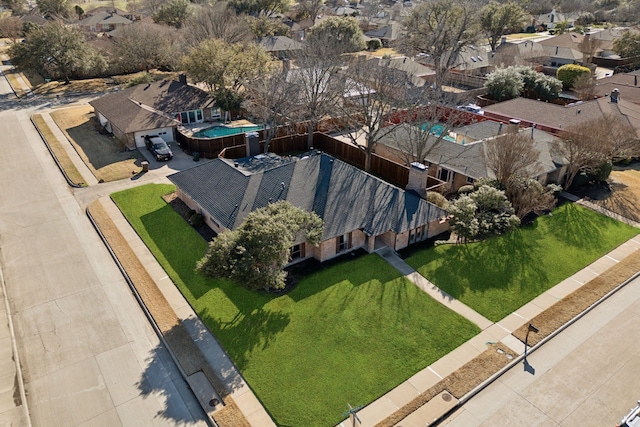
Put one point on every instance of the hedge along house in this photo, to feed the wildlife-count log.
(156, 108)
(358, 209)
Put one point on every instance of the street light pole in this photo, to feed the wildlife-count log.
(533, 329)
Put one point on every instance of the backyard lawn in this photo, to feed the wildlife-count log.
(499, 275)
(347, 333)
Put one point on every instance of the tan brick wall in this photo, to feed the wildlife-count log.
(436, 228)
(402, 240)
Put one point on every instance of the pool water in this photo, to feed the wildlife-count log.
(436, 129)
(218, 131)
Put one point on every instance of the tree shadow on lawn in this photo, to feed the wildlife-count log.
(578, 226)
(495, 263)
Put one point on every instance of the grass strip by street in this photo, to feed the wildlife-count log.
(460, 382)
(187, 352)
(497, 276)
(350, 331)
(58, 151)
(11, 76)
(579, 300)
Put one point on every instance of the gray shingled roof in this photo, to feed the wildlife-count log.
(150, 106)
(344, 196)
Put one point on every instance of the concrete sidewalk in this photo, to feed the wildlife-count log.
(219, 361)
(501, 331)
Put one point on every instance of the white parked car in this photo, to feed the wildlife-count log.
(471, 108)
(632, 419)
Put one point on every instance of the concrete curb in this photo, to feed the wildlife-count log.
(146, 312)
(16, 356)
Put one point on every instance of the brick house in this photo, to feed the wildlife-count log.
(358, 209)
(156, 108)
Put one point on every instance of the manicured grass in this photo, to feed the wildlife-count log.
(499, 275)
(347, 333)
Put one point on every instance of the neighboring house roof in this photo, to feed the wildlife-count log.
(563, 117)
(469, 159)
(561, 52)
(345, 197)
(389, 32)
(628, 84)
(510, 53)
(104, 18)
(279, 44)
(570, 40)
(416, 72)
(150, 105)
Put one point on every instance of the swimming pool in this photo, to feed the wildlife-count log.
(438, 129)
(218, 131)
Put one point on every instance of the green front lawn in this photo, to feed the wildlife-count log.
(347, 333)
(499, 275)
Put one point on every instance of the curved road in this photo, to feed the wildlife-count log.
(88, 354)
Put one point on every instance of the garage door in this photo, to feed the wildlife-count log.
(165, 133)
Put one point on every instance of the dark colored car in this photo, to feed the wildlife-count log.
(158, 148)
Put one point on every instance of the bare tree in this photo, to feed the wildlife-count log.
(312, 8)
(589, 46)
(371, 93)
(10, 27)
(441, 29)
(216, 21)
(585, 86)
(269, 99)
(528, 195)
(509, 155)
(316, 80)
(586, 147)
(144, 46)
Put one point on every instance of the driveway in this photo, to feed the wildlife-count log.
(585, 376)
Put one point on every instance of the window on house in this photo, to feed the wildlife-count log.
(445, 175)
(470, 180)
(215, 113)
(297, 252)
(198, 115)
(184, 118)
(192, 116)
(343, 242)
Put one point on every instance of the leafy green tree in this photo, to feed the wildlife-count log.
(547, 87)
(228, 100)
(505, 83)
(255, 254)
(78, 11)
(56, 50)
(54, 8)
(628, 46)
(568, 74)
(498, 19)
(343, 34)
(219, 64)
(483, 213)
(441, 29)
(511, 82)
(174, 13)
(260, 7)
(561, 28)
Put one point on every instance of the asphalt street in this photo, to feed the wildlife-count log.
(585, 376)
(88, 354)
